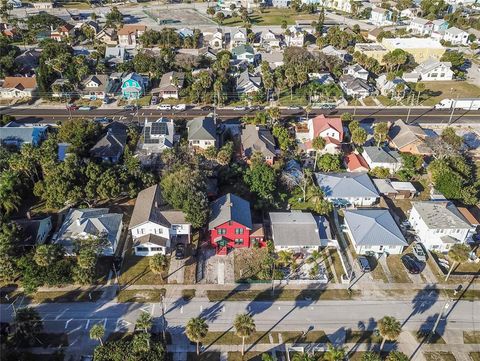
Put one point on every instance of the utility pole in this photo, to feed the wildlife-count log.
(453, 109)
(443, 310)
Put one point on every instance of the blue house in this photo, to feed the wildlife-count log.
(15, 134)
(133, 86)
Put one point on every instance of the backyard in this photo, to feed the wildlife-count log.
(271, 16)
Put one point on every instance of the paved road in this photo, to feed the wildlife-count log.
(421, 115)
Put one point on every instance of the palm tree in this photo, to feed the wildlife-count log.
(371, 356)
(284, 257)
(144, 322)
(419, 88)
(97, 332)
(397, 356)
(27, 323)
(196, 331)
(334, 353)
(318, 143)
(274, 114)
(158, 263)
(141, 342)
(458, 253)
(46, 254)
(303, 357)
(244, 327)
(308, 110)
(390, 328)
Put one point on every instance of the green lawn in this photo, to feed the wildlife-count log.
(439, 90)
(369, 102)
(205, 356)
(397, 269)
(337, 263)
(471, 337)
(271, 17)
(362, 337)
(283, 294)
(423, 336)
(378, 274)
(141, 296)
(475, 356)
(263, 337)
(439, 356)
(249, 356)
(136, 271)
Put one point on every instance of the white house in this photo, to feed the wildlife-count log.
(439, 224)
(346, 189)
(18, 87)
(216, 39)
(89, 222)
(202, 132)
(295, 37)
(357, 71)
(128, 35)
(389, 87)
(380, 17)
(330, 129)
(382, 158)
(374, 230)
(154, 228)
(420, 26)
(269, 39)
(239, 37)
(456, 36)
(430, 70)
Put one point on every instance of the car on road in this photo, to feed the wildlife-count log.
(364, 264)
(72, 107)
(106, 100)
(328, 106)
(207, 108)
(85, 108)
(154, 100)
(410, 264)
(239, 108)
(164, 107)
(257, 107)
(103, 120)
(294, 107)
(129, 107)
(180, 251)
(419, 252)
(179, 107)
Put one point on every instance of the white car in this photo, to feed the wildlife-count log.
(180, 107)
(240, 108)
(164, 107)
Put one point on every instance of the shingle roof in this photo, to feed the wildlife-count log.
(230, 208)
(355, 161)
(298, 229)
(257, 139)
(202, 128)
(113, 143)
(19, 82)
(384, 186)
(346, 185)
(374, 227)
(151, 238)
(382, 155)
(402, 134)
(441, 215)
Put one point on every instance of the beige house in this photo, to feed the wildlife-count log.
(128, 35)
(18, 87)
(421, 49)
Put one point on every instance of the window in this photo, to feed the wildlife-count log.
(142, 249)
(238, 241)
(156, 249)
(221, 231)
(238, 230)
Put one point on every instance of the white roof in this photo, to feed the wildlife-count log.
(412, 43)
(404, 186)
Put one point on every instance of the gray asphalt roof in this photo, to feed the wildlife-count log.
(374, 227)
(382, 155)
(441, 215)
(298, 229)
(202, 128)
(230, 208)
(346, 185)
(151, 238)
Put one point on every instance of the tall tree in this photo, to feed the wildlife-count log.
(158, 263)
(28, 323)
(144, 322)
(380, 132)
(458, 253)
(97, 332)
(318, 144)
(334, 353)
(46, 254)
(390, 328)
(244, 327)
(196, 330)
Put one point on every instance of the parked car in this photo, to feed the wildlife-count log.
(103, 120)
(364, 264)
(419, 252)
(164, 107)
(154, 100)
(106, 100)
(239, 108)
(180, 251)
(129, 107)
(294, 107)
(410, 264)
(207, 108)
(85, 108)
(72, 107)
(179, 107)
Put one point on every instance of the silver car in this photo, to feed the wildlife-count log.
(419, 252)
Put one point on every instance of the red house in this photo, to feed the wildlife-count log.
(231, 225)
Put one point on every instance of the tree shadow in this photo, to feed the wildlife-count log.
(423, 301)
(424, 333)
(366, 330)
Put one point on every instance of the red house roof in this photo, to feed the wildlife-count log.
(355, 162)
(321, 123)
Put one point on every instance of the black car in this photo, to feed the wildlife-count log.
(180, 251)
(207, 108)
(364, 264)
(410, 264)
(103, 120)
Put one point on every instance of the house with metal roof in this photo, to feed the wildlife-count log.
(299, 231)
(374, 230)
(111, 146)
(230, 225)
(154, 227)
(16, 134)
(382, 157)
(158, 135)
(202, 132)
(347, 189)
(89, 222)
(258, 139)
(439, 225)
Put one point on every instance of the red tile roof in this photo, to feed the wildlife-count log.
(321, 123)
(355, 161)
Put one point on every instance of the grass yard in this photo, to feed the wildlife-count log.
(471, 337)
(251, 355)
(386, 101)
(337, 263)
(205, 356)
(136, 271)
(439, 90)
(475, 356)
(377, 273)
(362, 337)
(328, 265)
(424, 336)
(369, 102)
(248, 263)
(397, 269)
(144, 101)
(265, 337)
(271, 16)
(310, 337)
(188, 294)
(439, 356)
(282, 295)
(140, 296)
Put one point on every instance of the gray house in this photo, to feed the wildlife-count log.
(110, 148)
(299, 231)
(345, 189)
(202, 132)
(374, 230)
(258, 139)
